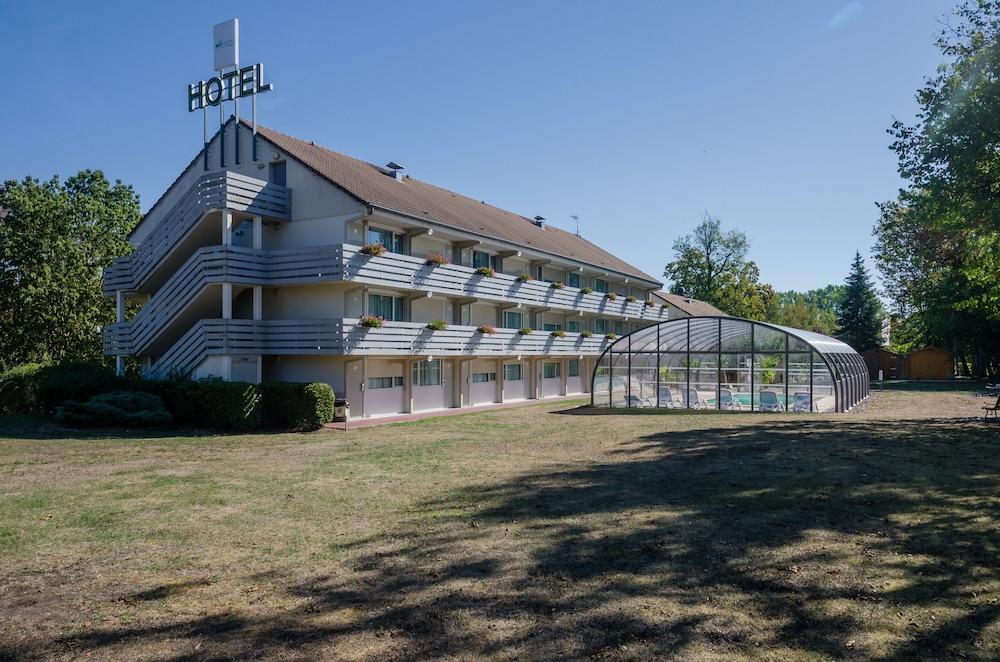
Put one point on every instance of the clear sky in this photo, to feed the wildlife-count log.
(635, 116)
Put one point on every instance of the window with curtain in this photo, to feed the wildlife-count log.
(550, 370)
(512, 372)
(573, 368)
(573, 279)
(512, 319)
(386, 307)
(427, 373)
(393, 241)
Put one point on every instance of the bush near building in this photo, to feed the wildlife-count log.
(90, 394)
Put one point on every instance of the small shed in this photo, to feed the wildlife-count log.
(892, 365)
(930, 363)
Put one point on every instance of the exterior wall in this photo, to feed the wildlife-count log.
(429, 309)
(329, 369)
(518, 390)
(930, 363)
(384, 401)
(484, 392)
(434, 397)
(320, 301)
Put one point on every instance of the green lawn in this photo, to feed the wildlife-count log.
(537, 532)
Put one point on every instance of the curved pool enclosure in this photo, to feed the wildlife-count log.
(729, 363)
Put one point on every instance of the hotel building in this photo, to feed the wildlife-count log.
(251, 266)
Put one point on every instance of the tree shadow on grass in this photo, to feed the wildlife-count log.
(821, 538)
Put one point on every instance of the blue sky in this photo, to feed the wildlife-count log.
(636, 116)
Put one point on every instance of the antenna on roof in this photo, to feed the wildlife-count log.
(540, 221)
(577, 220)
(395, 170)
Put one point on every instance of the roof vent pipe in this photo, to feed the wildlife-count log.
(540, 221)
(395, 170)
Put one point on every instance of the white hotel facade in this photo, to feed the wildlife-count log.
(252, 270)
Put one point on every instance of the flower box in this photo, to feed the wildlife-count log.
(436, 260)
(556, 285)
(649, 303)
(586, 334)
(374, 250)
(437, 325)
(524, 331)
(523, 278)
(558, 333)
(372, 322)
(611, 296)
(486, 329)
(610, 336)
(586, 290)
(486, 272)
(631, 299)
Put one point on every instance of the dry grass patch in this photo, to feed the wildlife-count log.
(522, 533)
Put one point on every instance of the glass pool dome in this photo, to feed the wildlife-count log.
(729, 363)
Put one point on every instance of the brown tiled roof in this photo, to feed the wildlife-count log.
(693, 307)
(373, 186)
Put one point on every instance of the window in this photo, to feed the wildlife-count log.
(483, 377)
(573, 326)
(619, 328)
(276, 173)
(600, 326)
(385, 382)
(540, 274)
(512, 319)
(427, 373)
(573, 279)
(573, 368)
(550, 370)
(483, 259)
(512, 372)
(600, 285)
(386, 307)
(393, 241)
(551, 327)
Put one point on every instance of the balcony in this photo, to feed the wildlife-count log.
(346, 337)
(214, 192)
(412, 273)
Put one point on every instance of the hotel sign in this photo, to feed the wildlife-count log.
(228, 86)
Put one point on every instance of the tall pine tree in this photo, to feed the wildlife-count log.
(859, 314)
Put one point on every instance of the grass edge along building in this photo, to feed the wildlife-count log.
(309, 265)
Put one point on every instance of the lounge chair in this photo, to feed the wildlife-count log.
(636, 401)
(726, 400)
(769, 402)
(666, 398)
(991, 410)
(694, 401)
(802, 402)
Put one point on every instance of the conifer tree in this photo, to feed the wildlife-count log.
(859, 314)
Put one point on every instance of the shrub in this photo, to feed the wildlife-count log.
(557, 285)
(586, 290)
(210, 402)
(436, 260)
(486, 271)
(611, 296)
(374, 250)
(586, 333)
(372, 322)
(558, 333)
(523, 278)
(610, 336)
(297, 405)
(19, 389)
(525, 331)
(39, 388)
(631, 299)
(486, 329)
(125, 408)
(437, 325)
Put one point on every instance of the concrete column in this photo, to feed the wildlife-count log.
(227, 227)
(258, 302)
(457, 384)
(227, 368)
(407, 386)
(227, 301)
(563, 365)
(258, 228)
(364, 386)
(499, 395)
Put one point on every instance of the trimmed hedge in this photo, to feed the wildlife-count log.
(40, 389)
(297, 406)
(124, 408)
(37, 388)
